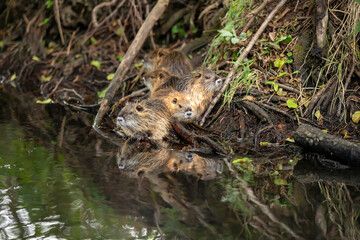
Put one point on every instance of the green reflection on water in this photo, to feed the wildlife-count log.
(42, 197)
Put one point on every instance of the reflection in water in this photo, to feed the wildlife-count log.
(157, 166)
(134, 161)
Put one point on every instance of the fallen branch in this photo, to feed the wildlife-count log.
(318, 141)
(254, 13)
(97, 8)
(241, 58)
(192, 138)
(124, 66)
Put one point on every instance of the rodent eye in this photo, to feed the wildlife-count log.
(152, 77)
(174, 100)
(198, 75)
(139, 108)
(161, 54)
(207, 77)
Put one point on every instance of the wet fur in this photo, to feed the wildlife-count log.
(175, 62)
(152, 122)
(177, 110)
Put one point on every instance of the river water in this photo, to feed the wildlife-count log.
(61, 180)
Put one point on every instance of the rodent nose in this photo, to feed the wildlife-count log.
(189, 156)
(120, 120)
(218, 82)
(188, 114)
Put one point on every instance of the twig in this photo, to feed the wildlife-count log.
(134, 48)
(58, 21)
(317, 96)
(97, 8)
(138, 93)
(70, 42)
(192, 138)
(241, 58)
(342, 96)
(254, 13)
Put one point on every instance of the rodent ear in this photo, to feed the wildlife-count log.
(160, 54)
(161, 75)
(198, 75)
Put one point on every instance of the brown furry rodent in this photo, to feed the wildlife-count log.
(175, 62)
(178, 103)
(200, 88)
(149, 118)
(155, 79)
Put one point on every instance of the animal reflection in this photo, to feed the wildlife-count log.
(168, 173)
(135, 162)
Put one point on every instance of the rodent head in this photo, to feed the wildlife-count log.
(154, 78)
(150, 117)
(178, 104)
(154, 57)
(208, 79)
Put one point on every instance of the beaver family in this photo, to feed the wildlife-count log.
(175, 93)
(175, 62)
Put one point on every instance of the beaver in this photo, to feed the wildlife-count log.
(175, 62)
(155, 80)
(200, 87)
(178, 103)
(149, 118)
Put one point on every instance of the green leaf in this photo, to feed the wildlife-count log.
(110, 76)
(358, 1)
(35, 58)
(284, 39)
(289, 54)
(1, 44)
(282, 74)
(318, 115)
(356, 117)
(290, 140)
(246, 159)
(357, 28)
(119, 58)
(280, 182)
(291, 103)
(101, 94)
(48, 4)
(225, 33)
(46, 101)
(295, 72)
(279, 63)
(94, 41)
(275, 85)
(13, 77)
(45, 78)
(139, 64)
(96, 64)
(46, 20)
(119, 31)
(243, 37)
(234, 40)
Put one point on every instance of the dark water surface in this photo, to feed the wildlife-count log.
(60, 180)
